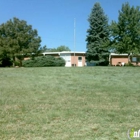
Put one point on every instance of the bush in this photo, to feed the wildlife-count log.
(17, 63)
(91, 64)
(129, 64)
(44, 61)
(5, 61)
(59, 62)
(98, 63)
(104, 63)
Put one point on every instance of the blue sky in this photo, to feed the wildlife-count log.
(54, 19)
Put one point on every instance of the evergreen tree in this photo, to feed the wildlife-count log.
(126, 32)
(17, 38)
(98, 36)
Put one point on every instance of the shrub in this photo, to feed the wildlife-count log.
(44, 61)
(104, 63)
(5, 61)
(59, 62)
(129, 64)
(17, 63)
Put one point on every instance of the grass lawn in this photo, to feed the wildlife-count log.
(90, 103)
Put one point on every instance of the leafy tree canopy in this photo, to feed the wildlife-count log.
(62, 48)
(18, 38)
(125, 33)
(58, 49)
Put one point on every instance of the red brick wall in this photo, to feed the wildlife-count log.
(74, 59)
(116, 59)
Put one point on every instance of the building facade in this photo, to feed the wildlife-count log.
(71, 58)
(122, 59)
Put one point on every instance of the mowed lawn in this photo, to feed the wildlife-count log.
(89, 103)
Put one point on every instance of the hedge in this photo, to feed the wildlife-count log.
(44, 61)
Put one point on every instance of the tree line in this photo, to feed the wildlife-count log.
(122, 36)
(18, 39)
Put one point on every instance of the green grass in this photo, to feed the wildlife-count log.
(90, 103)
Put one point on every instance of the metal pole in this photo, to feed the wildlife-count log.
(74, 43)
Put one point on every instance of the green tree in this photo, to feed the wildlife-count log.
(125, 33)
(18, 38)
(5, 60)
(98, 36)
(43, 49)
(62, 48)
(58, 49)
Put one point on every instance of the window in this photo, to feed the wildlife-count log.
(80, 58)
(135, 59)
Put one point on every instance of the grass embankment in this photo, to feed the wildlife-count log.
(91, 103)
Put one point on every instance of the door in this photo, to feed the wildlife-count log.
(80, 61)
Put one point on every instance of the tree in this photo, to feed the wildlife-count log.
(126, 32)
(58, 49)
(62, 48)
(5, 60)
(43, 49)
(17, 38)
(98, 36)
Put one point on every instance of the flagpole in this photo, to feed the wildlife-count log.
(74, 41)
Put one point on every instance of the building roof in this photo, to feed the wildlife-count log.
(63, 52)
(115, 54)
